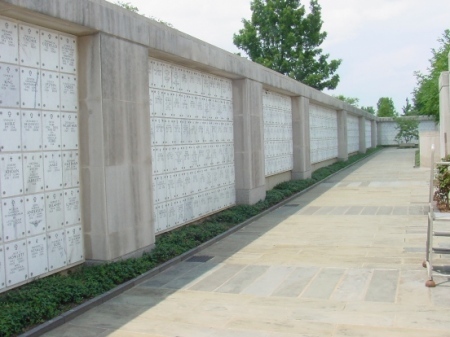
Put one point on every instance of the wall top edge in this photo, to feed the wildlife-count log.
(85, 17)
(419, 118)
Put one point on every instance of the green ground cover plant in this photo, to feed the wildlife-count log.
(46, 298)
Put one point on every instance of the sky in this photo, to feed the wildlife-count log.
(381, 42)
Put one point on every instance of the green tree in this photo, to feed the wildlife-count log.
(350, 100)
(369, 109)
(408, 129)
(408, 109)
(426, 93)
(385, 107)
(281, 36)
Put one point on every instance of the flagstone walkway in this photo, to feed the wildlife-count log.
(343, 259)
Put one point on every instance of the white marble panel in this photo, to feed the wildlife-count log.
(71, 169)
(74, 244)
(9, 86)
(33, 166)
(155, 74)
(172, 192)
(51, 130)
(29, 46)
(13, 216)
(69, 130)
(167, 76)
(168, 132)
(50, 90)
(53, 170)
(160, 188)
(176, 127)
(2, 268)
(160, 217)
(69, 92)
(171, 159)
(168, 104)
(35, 214)
(16, 262)
(30, 88)
(67, 54)
(31, 130)
(54, 210)
(72, 207)
(171, 215)
(37, 255)
(11, 179)
(10, 127)
(158, 160)
(9, 41)
(49, 50)
(56, 246)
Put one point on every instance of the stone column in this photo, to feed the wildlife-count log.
(362, 135)
(444, 113)
(249, 141)
(115, 156)
(301, 138)
(373, 125)
(342, 135)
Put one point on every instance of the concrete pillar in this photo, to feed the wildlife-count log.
(249, 141)
(342, 135)
(444, 113)
(115, 156)
(374, 127)
(301, 138)
(362, 135)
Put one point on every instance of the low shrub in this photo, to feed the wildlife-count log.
(45, 298)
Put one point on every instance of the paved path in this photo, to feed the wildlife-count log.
(341, 260)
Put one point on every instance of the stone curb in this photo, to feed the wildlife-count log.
(96, 301)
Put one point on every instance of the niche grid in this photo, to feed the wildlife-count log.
(278, 143)
(192, 144)
(323, 133)
(352, 134)
(40, 229)
(368, 126)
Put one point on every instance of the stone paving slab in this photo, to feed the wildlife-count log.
(342, 260)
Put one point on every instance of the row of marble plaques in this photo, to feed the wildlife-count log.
(279, 164)
(36, 130)
(181, 211)
(32, 46)
(278, 149)
(278, 101)
(179, 79)
(323, 133)
(277, 132)
(169, 131)
(171, 159)
(40, 213)
(192, 143)
(352, 134)
(31, 88)
(368, 125)
(36, 214)
(277, 116)
(34, 256)
(177, 185)
(189, 106)
(35, 172)
(278, 143)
